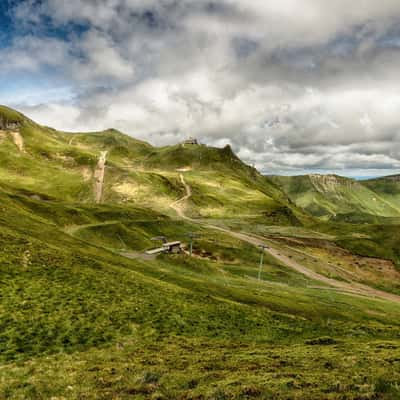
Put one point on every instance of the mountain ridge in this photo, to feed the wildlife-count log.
(132, 162)
(135, 171)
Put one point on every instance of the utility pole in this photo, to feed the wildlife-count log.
(263, 247)
(191, 236)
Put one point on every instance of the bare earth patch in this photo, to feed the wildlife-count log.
(326, 258)
(18, 141)
(127, 189)
(365, 269)
(99, 176)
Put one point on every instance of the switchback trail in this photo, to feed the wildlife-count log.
(346, 287)
(178, 204)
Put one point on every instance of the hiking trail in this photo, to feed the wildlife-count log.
(178, 205)
(99, 176)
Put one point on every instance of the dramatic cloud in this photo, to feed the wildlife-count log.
(293, 86)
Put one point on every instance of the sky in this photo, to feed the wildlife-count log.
(294, 86)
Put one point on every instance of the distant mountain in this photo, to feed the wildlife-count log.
(338, 198)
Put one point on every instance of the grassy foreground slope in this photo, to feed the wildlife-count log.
(81, 321)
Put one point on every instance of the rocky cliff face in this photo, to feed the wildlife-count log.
(331, 183)
(8, 125)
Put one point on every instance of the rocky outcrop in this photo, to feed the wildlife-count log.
(331, 183)
(6, 125)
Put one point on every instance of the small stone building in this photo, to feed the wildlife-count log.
(191, 141)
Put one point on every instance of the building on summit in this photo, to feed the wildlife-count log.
(191, 141)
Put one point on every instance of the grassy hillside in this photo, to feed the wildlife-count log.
(63, 166)
(85, 314)
(388, 188)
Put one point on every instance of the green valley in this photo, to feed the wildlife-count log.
(86, 313)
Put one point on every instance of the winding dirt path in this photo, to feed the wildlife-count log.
(178, 205)
(99, 176)
(345, 287)
(348, 287)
